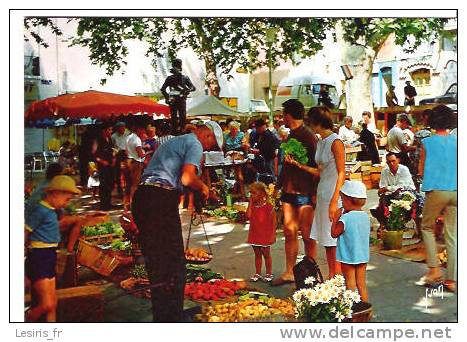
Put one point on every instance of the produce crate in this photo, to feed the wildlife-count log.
(99, 239)
(95, 258)
(78, 304)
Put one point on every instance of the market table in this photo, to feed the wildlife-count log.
(236, 165)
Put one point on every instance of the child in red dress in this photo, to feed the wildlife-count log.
(262, 233)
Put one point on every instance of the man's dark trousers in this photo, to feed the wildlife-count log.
(106, 184)
(178, 114)
(155, 211)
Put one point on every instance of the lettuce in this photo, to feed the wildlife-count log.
(295, 149)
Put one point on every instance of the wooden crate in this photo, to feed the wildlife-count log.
(355, 176)
(78, 304)
(95, 258)
(66, 270)
(100, 239)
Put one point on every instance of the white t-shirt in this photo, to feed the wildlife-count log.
(119, 141)
(409, 135)
(347, 135)
(396, 139)
(402, 178)
(132, 142)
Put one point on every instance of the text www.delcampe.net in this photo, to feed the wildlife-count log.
(340, 332)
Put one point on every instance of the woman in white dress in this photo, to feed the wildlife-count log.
(330, 157)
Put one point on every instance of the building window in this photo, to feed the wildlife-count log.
(422, 81)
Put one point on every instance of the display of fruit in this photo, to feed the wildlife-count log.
(197, 254)
(247, 310)
(212, 290)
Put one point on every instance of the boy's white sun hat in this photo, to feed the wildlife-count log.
(354, 189)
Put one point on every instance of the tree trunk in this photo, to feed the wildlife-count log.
(212, 82)
(359, 98)
(360, 60)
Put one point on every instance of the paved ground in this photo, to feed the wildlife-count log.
(391, 281)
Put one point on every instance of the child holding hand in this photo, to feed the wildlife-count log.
(262, 233)
(352, 230)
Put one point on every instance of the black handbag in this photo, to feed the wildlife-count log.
(307, 267)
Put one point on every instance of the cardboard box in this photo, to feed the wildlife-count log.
(355, 176)
(355, 167)
(366, 177)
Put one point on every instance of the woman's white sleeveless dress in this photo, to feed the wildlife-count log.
(321, 227)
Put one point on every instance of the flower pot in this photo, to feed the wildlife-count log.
(392, 239)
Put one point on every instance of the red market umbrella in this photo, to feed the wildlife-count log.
(94, 104)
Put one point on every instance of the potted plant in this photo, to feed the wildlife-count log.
(399, 213)
(325, 302)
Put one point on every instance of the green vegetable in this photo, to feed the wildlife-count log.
(295, 149)
(103, 229)
(139, 271)
(193, 272)
(119, 245)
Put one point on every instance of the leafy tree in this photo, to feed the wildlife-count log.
(221, 42)
(363, 38)
(31, 23)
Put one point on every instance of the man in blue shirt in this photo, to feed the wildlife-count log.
(175, 165)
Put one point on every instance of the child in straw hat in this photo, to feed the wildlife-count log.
(42, 236)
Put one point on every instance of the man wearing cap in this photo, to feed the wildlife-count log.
(42, 236)
(175, 165)
(410, 92)
(119, 138)
(397, 140)
(180, 86)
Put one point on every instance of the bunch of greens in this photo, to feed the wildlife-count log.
(296, 150)
(103, 229)
(194, 273)
(231, 214)
(120, 245)
(139, 271)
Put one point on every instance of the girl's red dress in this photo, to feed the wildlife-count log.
(262, 230)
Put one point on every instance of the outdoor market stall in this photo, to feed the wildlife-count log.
(93, 104)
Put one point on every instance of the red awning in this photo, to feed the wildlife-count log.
(94, 104)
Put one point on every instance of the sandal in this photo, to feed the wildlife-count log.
(426, 281)
(281, 281)
(256, 277)
(450, 286)
(268, 278)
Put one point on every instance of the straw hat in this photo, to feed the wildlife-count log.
(63, 183)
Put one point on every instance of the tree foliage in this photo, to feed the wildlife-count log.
(220, 42)
(31, 23)
(409, 32)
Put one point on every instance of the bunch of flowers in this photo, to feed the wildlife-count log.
(325, 302)
(273, 196)
(401, 211)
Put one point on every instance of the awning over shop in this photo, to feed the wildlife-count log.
(93, 104)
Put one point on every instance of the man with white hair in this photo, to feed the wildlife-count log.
(174, 165)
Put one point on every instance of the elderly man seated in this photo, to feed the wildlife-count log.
(395, 178)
